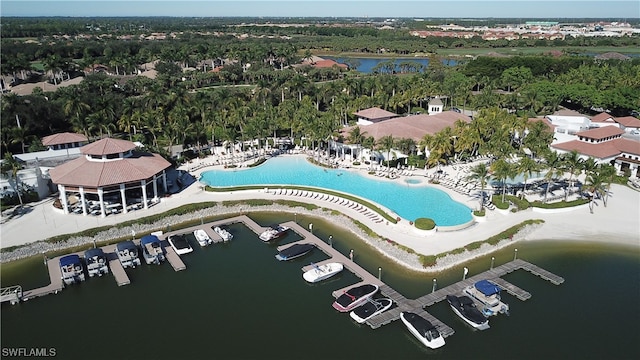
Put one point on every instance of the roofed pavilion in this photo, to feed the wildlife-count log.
(110, 168)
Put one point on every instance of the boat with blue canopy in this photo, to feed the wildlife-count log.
(487, 294)
(71, 269)
(96, 261)
(152, 249)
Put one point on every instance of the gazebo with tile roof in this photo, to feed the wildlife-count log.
(64, 140)
(110, 167)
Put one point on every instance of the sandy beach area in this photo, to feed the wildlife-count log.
(618, 222)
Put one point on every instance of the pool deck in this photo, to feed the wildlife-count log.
(41, 220)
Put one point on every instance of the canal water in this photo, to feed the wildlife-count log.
(236, 301)
(366, 65)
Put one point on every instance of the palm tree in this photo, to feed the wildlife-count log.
(595, 183)
(503, 170)
(608, 173)
(572, 163)
(527, 166)
(553, 163)
(10, 167)
(356, 136)
(386, 143)
(480, 173)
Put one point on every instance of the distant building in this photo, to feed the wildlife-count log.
(373, 115)
(435, 106)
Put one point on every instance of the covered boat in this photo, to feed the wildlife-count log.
(202, 237)
(180, 244)
(354, 297)
(422, 329)
(370, 309)
(321, 272)
(96, 261)
(71, 269)
(294, 251)
(127, 252)
(274, 232)
(152, 249)
(466, 309)
(224, 233)
(488, 294)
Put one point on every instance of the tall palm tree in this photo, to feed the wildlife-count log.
(608, 173)
(527, 166)
(10, 167)
(386, 143)
(595, 184)
(503, 170)
(572, 163)
(553, 164)
(357, 136)
(480, 173)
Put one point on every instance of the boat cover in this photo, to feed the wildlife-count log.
(69, 260)
(147, 239)
(126, 245)
(94, 252)
(487, 288)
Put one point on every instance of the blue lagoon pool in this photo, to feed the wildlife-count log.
(408, 200)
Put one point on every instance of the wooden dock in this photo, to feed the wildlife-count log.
(55, 277)
(174, 259)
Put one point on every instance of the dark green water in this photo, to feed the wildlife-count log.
(236, 301)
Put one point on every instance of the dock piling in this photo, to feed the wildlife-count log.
(433, 289)
(492, 260)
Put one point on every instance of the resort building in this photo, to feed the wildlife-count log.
(606, 146)
(110, 177)
(373, 115)
(435, 106)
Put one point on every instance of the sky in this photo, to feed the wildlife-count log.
(597, 9)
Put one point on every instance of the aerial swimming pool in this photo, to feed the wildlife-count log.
(410, 201)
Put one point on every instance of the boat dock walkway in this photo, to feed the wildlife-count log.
(174, 259)
(54, 286)
(115, 266)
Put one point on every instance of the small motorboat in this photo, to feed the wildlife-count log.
(422, 329)
(202, 237)
(320, 272)
(96, 261)
(152, 250)
(127, 252)
(354, 297)
(488, 294)
(224, 233)
(273, 233)
(180, 244)
(466, 309)
(71, 269)
(370, 309)
(294, 251)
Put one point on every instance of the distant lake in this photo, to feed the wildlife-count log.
(366, 65)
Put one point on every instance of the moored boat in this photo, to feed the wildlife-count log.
(127, 252)
(274, 232)
(354, 297)
(180, 244)
(422, 329)
(488, 294)
(96, 261)
(71, 269)
(321, 272)
(370, 309)
(202, 237)
(152, 249)
(466, 309)
(294, 251)
(224, 233)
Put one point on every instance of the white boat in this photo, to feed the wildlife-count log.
(466, 309)
(202, 237)
(355, 297)
(180, 244)
(422, 329)
(71, 269)
(127, 253)
(273, 232)
(370, 309)
(224, 233)
(488, 294)
(320, 272)
(152, 249)
(96, 261)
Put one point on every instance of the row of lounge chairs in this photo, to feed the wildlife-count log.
(459, 186)
(373, 216)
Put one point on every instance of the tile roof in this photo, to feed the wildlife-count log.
(412, 127)
(601, 150)
(601, 132)
(63, 138)
(108, 146)
(327, 63)
(602, 117)
(93, 174)
(544, 121)
(628, 121)
(375, 113)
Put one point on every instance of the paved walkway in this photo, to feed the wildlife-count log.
(618, 222)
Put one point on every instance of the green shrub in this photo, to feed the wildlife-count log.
(425, 224)
(521, 204)
(356, 163)
(559, 205)
(479, 213)
(496, 199)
